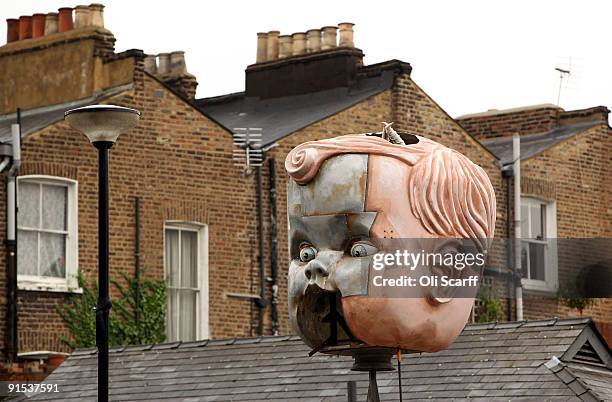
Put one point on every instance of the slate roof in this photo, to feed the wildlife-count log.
(279, 117)
(533, 144)
(35, 119)
(488, 362)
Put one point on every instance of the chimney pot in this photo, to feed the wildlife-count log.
(150, 64)
(97, 15)
(329, 37)
(82, 17)
(163, 65)
(285, 46)
(346, 34)
(25, 27)
(272, 45)
(65, 19)
(262, 47)
(51, 23)
(38, 25)
(12, 30)
(313, 42)
(299, 43)
(177, 63)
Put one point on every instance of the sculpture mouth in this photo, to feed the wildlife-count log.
(320, 318)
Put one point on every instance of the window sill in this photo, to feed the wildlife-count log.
(48, 287)
(538, 287)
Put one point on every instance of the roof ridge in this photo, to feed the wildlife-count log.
(190, 344)
(565, 374)
(517, 324)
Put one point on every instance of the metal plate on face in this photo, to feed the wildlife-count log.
(339, 187)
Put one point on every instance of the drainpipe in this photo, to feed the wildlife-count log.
(516, 156)
(137, 264)
(273, 247)
(260, 302)
(507, 173)
(11, 242)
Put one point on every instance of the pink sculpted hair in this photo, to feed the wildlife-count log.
(449, 194)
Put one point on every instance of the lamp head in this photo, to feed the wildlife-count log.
(102, 122)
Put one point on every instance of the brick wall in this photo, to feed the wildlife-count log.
(576, 175)
(178, 162)
(525, 121)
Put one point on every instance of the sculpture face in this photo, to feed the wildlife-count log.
(346, 198)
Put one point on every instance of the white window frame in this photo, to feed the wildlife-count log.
(202, 308)
(70, 282)
(551, 274)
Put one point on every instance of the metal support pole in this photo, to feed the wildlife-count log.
(137, 264)
(104, 303)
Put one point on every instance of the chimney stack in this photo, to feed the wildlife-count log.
(262, 47)
(163, 65)
(38, 25)
(272, 53)
(313, 41)
(329, 37)
(97, 15)
(82, 17)
(25, 27)
(285, 46)
(299, 43)
(65, 19)
(51, 23)
(346, 34)
(150, 64)
(12, 30)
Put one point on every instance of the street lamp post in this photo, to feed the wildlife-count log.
(102, 124)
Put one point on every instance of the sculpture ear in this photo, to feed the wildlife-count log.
(443, 246)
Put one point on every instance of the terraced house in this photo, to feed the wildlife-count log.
(180, 208)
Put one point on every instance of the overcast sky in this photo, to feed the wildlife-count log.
(469, 56)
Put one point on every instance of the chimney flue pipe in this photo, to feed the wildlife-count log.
(12, 30)
(150, 64)
(65, 19)
(313, 41)
(329, 37)
(51, 23)
(177, 63)
(25, 27)
(299, 43)
(38, 25)
(82, 17)
(285, 46)
(272, 50)
(346, 34)
(163, 65)
(96, 11)
(262, 47)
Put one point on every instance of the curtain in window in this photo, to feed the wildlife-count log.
(182, 277)
(172, 278)
(41, 235)
(189, 256)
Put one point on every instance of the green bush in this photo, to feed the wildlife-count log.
(80, 317)
(490, 310)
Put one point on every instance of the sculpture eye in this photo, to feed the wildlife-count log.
(307, 253)
(362, 249)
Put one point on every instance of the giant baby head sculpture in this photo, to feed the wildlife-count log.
(346, 197)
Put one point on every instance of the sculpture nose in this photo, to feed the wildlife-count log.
(316, 273)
